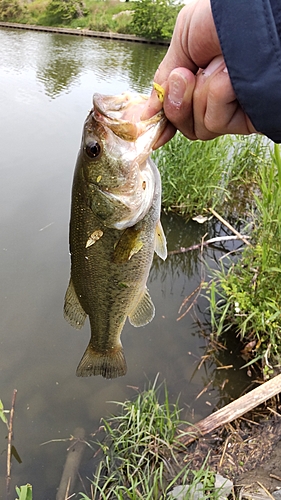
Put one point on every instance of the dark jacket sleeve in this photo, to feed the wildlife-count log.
(250, 36)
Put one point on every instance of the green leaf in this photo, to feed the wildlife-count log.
(16, 455)
(2, 413)
(24, 492)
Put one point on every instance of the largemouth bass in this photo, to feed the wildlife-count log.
(114, 228)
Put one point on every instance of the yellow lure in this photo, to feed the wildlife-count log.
(160, 91)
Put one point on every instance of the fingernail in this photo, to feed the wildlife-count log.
(213, 66)
(177, 86)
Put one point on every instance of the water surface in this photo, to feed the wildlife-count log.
(46, 87)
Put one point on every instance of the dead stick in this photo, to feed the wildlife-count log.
(229, 226)
(233, 410)
(197, 246)
(9, 447)
(278, 478)
(70, 471)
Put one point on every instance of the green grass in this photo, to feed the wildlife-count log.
(142, 454)
(247, 294)
(110, 16)
(198, 175)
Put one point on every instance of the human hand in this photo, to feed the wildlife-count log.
(213, 110)
(200, 103)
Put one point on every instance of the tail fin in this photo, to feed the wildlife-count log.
(110, 364)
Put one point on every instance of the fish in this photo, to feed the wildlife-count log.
(114, 228)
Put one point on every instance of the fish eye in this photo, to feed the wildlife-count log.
(93, 149)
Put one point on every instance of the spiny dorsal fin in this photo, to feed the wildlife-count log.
(73, 311)
(144, 311)
(160, 242)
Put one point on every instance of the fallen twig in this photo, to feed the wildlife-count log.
(233, 410)
(266, 490)
(273, 476)
(197, 292)
(9, 446)
(204, 390)
(229, 226)
(70, 471)
(197, 246)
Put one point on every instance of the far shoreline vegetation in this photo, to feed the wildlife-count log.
(151, 19)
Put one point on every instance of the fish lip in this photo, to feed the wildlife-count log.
(115, 103)
(108, 111)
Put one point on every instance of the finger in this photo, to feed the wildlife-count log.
(153, 105)
(224, 113)
(216, 109)
(166, 135)
(178, 104)
(176, 56)
(201, 95)
(178, 53)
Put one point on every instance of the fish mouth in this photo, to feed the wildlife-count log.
(122, 115)
(128, 141)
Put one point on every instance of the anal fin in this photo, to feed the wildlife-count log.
(110, 364)
(73, 311)
(144, 311)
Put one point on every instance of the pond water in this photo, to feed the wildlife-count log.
(46, 87)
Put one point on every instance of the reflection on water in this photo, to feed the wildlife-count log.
(59, 65)
(59, 60)
(46, 87)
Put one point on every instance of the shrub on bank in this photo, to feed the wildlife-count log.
(116, 17)
(155, 19)
(63, 11)
(11, 10)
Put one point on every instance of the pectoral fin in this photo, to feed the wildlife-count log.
(144, 311)
(73, 311)
(129, 244)
(160, 242)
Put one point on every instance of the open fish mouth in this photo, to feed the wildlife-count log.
(122, 115)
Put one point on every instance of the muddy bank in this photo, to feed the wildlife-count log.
(247, 451)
